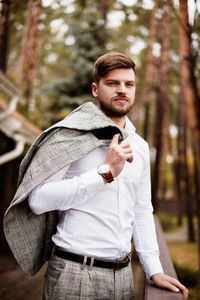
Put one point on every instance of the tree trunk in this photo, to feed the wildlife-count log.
(187, 190)
(149, 72)
(186, 196)
(4, 32)
(104, 5)
(161, 106)
(178, 162)
(189, 88)
(28, 58)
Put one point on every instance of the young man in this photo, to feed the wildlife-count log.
(97, 178)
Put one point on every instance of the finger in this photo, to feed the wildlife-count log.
(177, 286)
(177, 283)
(130, 160)
(173, 288)
(126, 150)
(183, 289)
(129, 157)
(124, 145)
(185, 293)
(167, 285)
(129, 154)
(115, 139)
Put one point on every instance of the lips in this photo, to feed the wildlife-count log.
(121, 99)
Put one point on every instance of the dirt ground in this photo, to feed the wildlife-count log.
(15, 284)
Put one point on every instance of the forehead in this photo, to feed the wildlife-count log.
(120, 74)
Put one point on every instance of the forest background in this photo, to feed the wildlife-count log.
(48, 49)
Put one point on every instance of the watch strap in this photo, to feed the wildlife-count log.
(108, 177)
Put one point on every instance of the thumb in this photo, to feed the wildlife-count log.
(115, 139)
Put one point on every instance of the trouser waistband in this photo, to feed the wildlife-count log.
(117, 264)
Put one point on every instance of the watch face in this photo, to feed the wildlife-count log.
(103, 169)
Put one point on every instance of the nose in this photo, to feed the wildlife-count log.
(121, 89)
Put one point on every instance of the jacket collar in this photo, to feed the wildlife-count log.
(88, 117)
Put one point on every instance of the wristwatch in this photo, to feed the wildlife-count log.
(105, 171)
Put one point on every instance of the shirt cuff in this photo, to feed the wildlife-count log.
(152, 266)
(92, 181)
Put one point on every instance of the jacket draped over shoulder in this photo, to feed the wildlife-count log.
(29, 235)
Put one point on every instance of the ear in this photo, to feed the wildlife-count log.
(94, 89)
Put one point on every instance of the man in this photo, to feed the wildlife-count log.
(101, 193)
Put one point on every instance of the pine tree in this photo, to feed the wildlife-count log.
(28, 58)
(4, 33)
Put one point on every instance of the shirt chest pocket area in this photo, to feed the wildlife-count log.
(133, 172)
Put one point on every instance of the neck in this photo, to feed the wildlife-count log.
(119, 121)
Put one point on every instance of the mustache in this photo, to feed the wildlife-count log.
(121, 97)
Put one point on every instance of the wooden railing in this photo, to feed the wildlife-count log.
(150, 291)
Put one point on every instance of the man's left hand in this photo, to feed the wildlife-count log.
(167, 282)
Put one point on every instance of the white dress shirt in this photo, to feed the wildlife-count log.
(98, 219)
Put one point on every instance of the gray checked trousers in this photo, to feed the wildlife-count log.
(67, 280)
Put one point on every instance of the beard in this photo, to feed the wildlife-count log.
(114, 111)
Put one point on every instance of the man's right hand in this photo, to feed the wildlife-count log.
(118, 154)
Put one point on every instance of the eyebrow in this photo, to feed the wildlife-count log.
(116, 80)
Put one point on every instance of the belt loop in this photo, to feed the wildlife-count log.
(91, 263)
(84, 263)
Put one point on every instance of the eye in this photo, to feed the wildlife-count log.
(130, 84)
(110, 83)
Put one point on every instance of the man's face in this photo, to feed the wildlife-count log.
(115, 92)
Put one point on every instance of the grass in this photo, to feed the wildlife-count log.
(168, 222)
(184, 253)
(185, 258)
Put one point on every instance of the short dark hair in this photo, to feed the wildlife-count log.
(110, 61)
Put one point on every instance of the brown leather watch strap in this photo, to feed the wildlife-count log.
(108, 177)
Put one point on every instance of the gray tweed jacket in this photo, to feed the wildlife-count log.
(29, 235)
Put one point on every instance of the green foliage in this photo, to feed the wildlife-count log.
(186, 275)
(194, 292)
(84, 41)
(74, 33)
(190, 278)
(168, 222)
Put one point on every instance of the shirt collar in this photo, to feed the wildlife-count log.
(129, 127)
